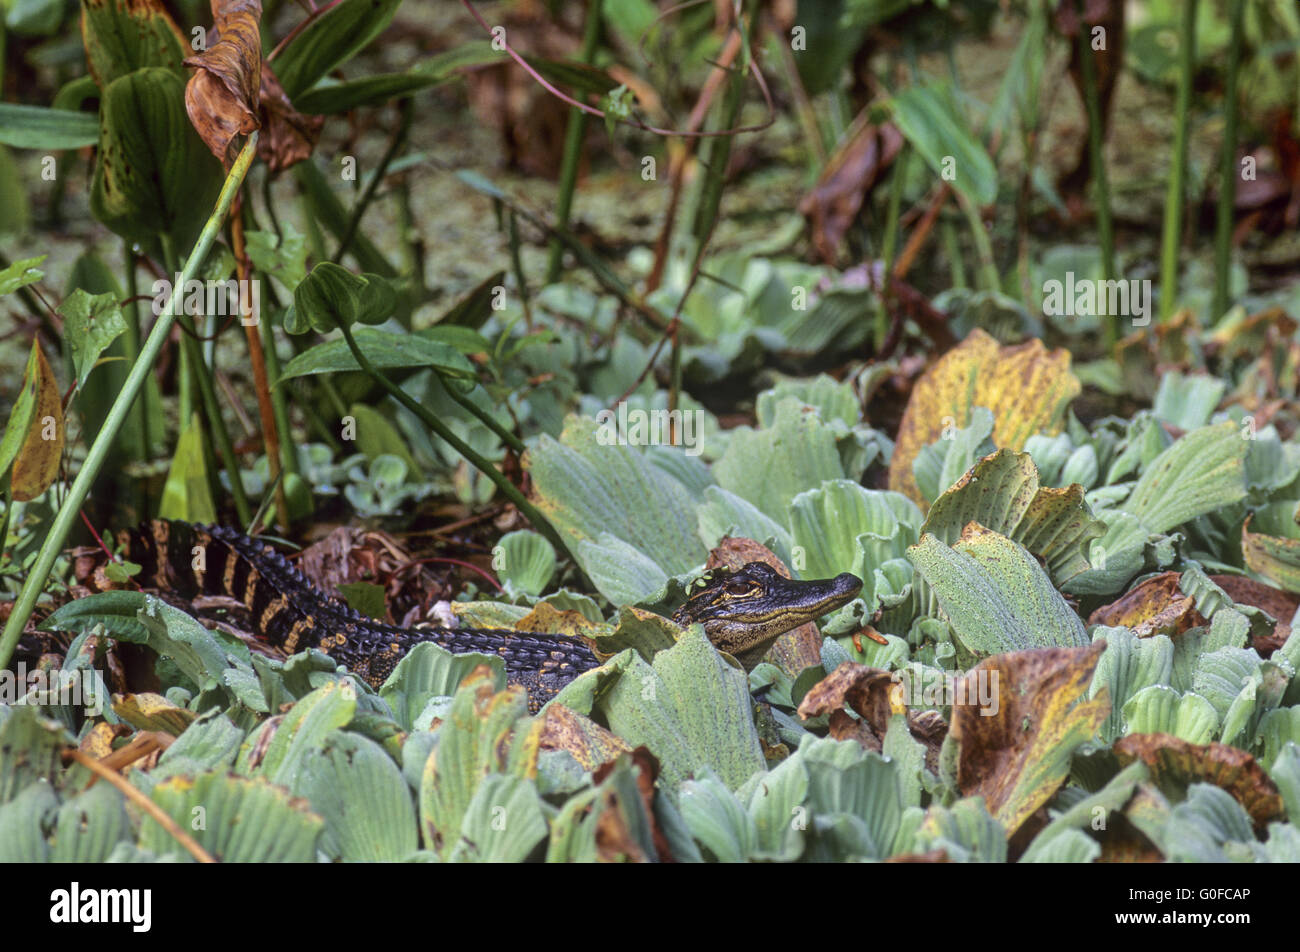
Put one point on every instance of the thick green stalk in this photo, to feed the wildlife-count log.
(117, 414)
(572, 146)
(1173, 229)
(983, 246)
(1227, 170)
(508, 489)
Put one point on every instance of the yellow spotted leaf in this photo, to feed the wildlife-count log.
(37, 463)
(1026, 387)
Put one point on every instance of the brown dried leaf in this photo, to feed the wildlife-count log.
(614, 841)
(1174, 761)
(1018, 756)
(833, 204)
(1156, 607)
(289, 136)
(222, 95)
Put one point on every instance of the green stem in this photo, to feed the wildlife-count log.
(488, 419)
(1173, 226)
(117, 414)
(508, 489)
(399, 139)
(572, 146)
(1228, 171)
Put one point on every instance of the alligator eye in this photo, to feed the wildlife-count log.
(741, 588)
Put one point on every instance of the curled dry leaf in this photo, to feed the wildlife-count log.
(875, 695)
(1174, 761)
(1156, 607)
(222, 95)
(289, 136)
(1016, 751)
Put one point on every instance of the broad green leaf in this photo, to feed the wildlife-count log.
(89, 825)
(939, 465)
(329, 40)
(935, 124)
(504, 822)
(23, 821)
(429, 671)
(1203, 471)
(154, 175)
(717, 819)
(244, 821)
(122, 36)
(1187, 402)
(30, 748)
(39, 127)
(278, 751)
(91, 324)
(525, 561)
(691, 708)
(1002, 493)
(485, 732)
(384, 349)
(769, 467)
(20, 274)
(965, 831)
(995, 595)
(1128, 665)
(359, 792)
(843, 527)
(633, 524)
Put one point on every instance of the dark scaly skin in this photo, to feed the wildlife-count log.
(742, 612)
(289, 613)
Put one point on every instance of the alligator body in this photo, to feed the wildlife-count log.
(742, 612)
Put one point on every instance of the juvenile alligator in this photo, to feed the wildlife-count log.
(742, 612)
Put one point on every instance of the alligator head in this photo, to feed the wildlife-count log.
(744, 611)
